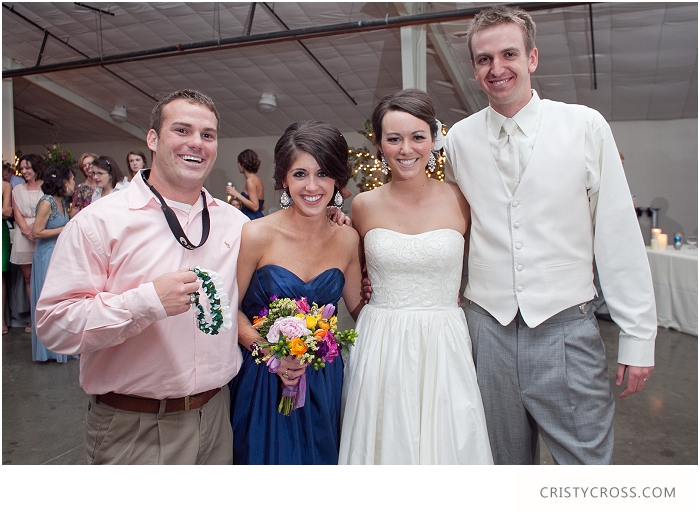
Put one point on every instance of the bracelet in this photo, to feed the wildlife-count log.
(219, 314)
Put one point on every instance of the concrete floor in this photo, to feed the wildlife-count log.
(43, 407)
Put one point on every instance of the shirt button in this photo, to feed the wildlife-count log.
(518, 246)
(520, 288)
(520, 267)
(516, 204)
(516, 225)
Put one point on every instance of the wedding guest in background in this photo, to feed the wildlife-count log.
(293, 253)
(83, 192)
(9, 175)
(108, 177)
(51, 217)
(24, 200)
(548, 194)
(6, 214)
(411, 394)
(135, 161)
(253, 195)
(236, 203)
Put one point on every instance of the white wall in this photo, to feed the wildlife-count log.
(661, 162)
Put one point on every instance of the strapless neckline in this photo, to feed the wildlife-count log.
(266, 266)
(414, 234)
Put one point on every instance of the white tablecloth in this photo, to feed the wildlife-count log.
(675, 276)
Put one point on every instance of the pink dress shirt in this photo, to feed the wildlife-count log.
(99, 300)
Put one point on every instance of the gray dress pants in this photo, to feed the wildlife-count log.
(550, 380)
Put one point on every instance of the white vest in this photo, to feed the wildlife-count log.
(532, 249)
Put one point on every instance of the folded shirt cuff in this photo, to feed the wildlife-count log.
(635, 352)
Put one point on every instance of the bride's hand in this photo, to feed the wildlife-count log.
(290, 370)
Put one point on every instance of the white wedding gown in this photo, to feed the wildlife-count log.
(410, 394)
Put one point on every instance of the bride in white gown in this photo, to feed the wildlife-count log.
(410, 394)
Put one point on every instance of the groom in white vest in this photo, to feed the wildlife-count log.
(548, 194)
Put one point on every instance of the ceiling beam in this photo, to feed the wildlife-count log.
(84, 104)
(455, 70)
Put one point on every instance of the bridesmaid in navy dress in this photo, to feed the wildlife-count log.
(293, 253)
(252, 198)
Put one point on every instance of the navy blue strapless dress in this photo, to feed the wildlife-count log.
(311, 434)
(248, 212)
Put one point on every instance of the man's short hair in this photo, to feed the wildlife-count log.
(498, 15)
(192, 96)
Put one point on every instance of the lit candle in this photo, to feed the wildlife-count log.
(655, 232)
(663, 241)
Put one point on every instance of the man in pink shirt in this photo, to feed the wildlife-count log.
(118, 292)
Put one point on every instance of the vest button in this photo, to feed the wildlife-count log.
(516, 204)
(520, 267)
(516, 225)
(518, 246)
(520, 288)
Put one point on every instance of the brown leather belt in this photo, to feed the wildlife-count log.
(144, 405)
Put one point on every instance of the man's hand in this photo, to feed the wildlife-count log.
(637, 377)
(337, 216)
(174, 290)
(366, 288)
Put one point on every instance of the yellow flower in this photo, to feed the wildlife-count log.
(300, 315)
(324, 324)
(297, 347)
(334, 323)
(311, 322)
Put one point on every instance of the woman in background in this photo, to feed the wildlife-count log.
(108, 177)
(135, 161)
(253, 196)
(24, 199)
(6, 214)
(83, 192)
(51, 217)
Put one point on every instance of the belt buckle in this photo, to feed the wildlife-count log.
(187, 403)
(582, 308)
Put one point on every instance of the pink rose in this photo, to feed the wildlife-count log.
(290, 326)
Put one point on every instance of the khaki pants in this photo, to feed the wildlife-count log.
(197, 437)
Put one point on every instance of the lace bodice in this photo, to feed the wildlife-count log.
(421, 271)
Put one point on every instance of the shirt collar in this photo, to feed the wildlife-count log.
(526, 118)
(140, 195)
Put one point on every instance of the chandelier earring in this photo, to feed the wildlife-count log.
(432, 163)
(285, 200)
(385, 166)
(338, 200)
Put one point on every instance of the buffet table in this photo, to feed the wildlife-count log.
(675, 277)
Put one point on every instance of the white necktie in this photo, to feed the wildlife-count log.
(508, 156)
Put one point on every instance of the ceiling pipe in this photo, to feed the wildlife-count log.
(181, 49)
(48, 33)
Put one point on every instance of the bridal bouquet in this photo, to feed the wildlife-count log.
(307, 332)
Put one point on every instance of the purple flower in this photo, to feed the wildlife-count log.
(303, 306)
(328, 311)
(322, 351)
(263, 312)
(273, 297)
(273, 364)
